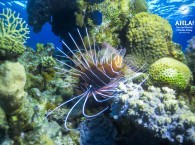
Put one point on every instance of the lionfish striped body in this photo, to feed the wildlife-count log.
(99, 72)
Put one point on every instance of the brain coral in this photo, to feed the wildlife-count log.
(149, 38)
(170, 72)
(13, 34)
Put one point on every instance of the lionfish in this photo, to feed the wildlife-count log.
(99, 72)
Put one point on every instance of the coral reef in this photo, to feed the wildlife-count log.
(171, 73)
(115, 16)
(104, 134)
(14, 100)
(12, 81)
(13, 34)
(140, 6)
(148, 39)
(26, 98)
(3, 121)
(50, 133)
(37, 84)
(48, 62)
(190, 55)
(39, 65)
(191, 45)
(156, 110)
(105, 19)
(192, 98)
(47, 67)
(60, 14)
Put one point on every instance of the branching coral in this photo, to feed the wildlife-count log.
(13, 33)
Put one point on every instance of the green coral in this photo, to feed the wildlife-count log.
(39, 47)
(48, 62)
(148, 39)
(175, 52)
(170, 72)
(13, 34)
(47, 70)
(140, 6)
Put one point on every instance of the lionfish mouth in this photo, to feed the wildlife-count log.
(99, 70)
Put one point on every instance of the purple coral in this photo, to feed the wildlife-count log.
(157, 111)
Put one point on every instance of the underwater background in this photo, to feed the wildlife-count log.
(168, 9)
(97, 72)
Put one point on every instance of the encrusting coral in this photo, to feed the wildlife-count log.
(13, 34)
(170, 72)
(149, 38)
(156, 110)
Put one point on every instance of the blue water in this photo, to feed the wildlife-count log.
(172, 10)
(45, 36)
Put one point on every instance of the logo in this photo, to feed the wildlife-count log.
(184, 23)
(184, 27)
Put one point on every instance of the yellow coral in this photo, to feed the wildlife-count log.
(13, 33)
(170, 72)
(149, 38)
